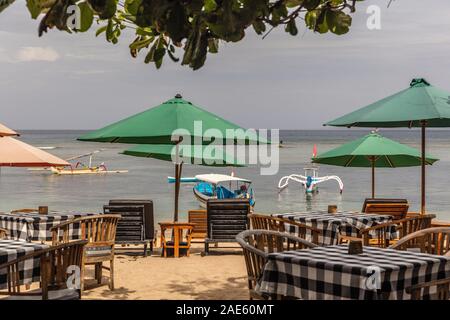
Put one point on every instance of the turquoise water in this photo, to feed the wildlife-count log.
(147, 178)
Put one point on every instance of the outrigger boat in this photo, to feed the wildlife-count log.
(210, 186)
(81, 169)
(309, 180)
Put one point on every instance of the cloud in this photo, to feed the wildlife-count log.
(27, 54)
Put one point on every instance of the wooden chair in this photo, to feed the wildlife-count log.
(131, 226)
(266, 222)
(257, 244)
(442, 290)
(100, 232)
(179, 231)
(56, 265)
(396, 210)
(200, 221)
(431, 240)
(226, 218)
(3, 233)
(149, 219)
(403, 226)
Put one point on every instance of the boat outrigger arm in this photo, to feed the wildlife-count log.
(309, 180)
(284, 182)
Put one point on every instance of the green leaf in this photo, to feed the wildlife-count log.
(210, 5)
(104, 8)
(86, 17)
(338, 22)
(259, 26)
(131, 6)
(291, 27)
(213, 45)
(100, 30)
(33, 7)
(311, 4)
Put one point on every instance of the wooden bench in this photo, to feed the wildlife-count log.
(199, 220)
(226, 218)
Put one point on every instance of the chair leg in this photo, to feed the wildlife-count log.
(145, 249)
(98, 272)
(111, 274)
(82, 280)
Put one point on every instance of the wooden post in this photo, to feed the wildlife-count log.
(422, 206)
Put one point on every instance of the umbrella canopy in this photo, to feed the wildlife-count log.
(387, 153)
(407, 108)
(156, 125)
(197, 154)
(6, 132)
(15, 153)
(373, 150)
(420, 105)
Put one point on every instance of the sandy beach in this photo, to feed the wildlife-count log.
(220, 275)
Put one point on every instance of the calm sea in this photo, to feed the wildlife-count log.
(147, 178)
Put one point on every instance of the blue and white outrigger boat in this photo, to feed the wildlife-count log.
(309, 180)
(211, 186)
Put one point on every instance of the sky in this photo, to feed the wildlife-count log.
(63, 81)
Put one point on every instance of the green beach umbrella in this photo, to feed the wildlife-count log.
(373, 150)
(421, 105)
(159, 124)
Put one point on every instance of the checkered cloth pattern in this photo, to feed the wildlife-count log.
(332, 224)
(36, 227)
(29, 270)
(326, 273)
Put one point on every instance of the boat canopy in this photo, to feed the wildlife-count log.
(218, 178)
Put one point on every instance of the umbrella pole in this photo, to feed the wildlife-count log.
(422, 207)
(177, 182)
(373, 178)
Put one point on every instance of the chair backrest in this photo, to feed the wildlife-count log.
(149, 219)
(431, 240)
(98, 230)
(381, 201)
(24, 210)
(200, 221)
(57, 263)
(130, 227)
(3, 233)
(266, 222)
(380, 234)
(396, 210)
(257, 244)
(226, 218)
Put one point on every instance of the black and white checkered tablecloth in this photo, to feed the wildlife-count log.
(29, 270)
(332, 224)
(36, 227)
(331, 273)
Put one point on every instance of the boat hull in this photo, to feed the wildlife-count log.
(203, 199)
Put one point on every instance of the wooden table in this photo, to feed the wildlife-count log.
(12, 249)
(178, 228)
(32, 226)
(324, 273)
